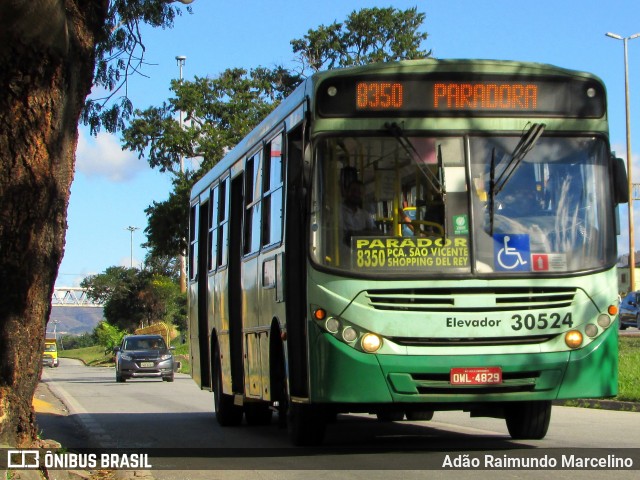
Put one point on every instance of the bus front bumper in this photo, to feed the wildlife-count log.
(341, 374)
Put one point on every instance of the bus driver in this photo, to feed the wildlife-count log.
(355, 220)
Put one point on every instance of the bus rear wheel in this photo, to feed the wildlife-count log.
(528, 420)
(258, 414)
(227, 414)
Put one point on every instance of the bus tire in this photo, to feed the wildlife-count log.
(390, 415)
(278, 375)
(419, 415)
(306, 425)
(227, 414)
(528, 420)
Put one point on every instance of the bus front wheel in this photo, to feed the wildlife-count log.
(528, 420)
(306, 424)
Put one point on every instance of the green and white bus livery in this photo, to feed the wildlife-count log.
(404, 238)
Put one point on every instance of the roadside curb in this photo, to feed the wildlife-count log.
(601, 404)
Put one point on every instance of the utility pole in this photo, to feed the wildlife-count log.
(632, 256)
(181, 59)
(131, 230)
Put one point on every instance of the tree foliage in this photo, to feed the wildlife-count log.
(367, 36)
(218, 113)
(135, 298)
(119, 289)
(121, 54)
(108, 336)
(168, 220)
(70, 342)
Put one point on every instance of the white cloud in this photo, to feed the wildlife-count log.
(102, 156)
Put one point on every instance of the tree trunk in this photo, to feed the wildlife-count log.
(46, 72)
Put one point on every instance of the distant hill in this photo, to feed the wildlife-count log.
(74, 320)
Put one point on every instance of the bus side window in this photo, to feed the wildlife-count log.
(213, 227)
(253, 204)
(272, 208)
(223, 222)
(193, 241)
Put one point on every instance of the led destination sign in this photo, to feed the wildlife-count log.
(480, 96)
(485, 96)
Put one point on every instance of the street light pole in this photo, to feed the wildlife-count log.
(632, 259)
(131, 230)
(181, 59)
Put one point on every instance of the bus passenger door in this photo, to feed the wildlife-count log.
(235, 283)
(295, 260)
(193, 292)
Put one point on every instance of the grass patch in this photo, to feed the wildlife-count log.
(89, 355)
(629, 370)
(181, 354)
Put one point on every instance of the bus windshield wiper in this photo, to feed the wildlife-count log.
(526, 143)
(435, 181)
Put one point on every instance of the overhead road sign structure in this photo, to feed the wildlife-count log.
(72, 297)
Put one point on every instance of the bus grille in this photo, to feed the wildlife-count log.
(470, 342)
(478, 300)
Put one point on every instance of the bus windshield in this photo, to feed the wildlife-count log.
(455, 205)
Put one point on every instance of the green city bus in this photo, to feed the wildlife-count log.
(403, 238)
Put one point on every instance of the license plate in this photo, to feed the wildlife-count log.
(146, 364)
(476, 376)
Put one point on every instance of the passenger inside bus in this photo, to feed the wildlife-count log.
(355, 219)
(407, 217)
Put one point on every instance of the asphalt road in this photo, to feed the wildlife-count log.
(89, 409)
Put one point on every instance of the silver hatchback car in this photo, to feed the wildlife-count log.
(144, 356)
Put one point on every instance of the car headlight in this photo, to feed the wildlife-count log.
(124, 356)
(166, 356)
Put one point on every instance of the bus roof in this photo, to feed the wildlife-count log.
(430, 65)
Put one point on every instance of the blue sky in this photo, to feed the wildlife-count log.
(112, 187)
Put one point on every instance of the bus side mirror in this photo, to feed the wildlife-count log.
(620, 181)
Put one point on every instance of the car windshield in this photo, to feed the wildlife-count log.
(429, 205)
(144, 344)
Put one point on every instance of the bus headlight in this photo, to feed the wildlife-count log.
(349, 334)
(591, 330)
(371, 342)
(332, 325)
(604, 320)
(573, 339)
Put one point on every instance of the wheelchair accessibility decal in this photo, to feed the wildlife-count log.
(512, 252)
